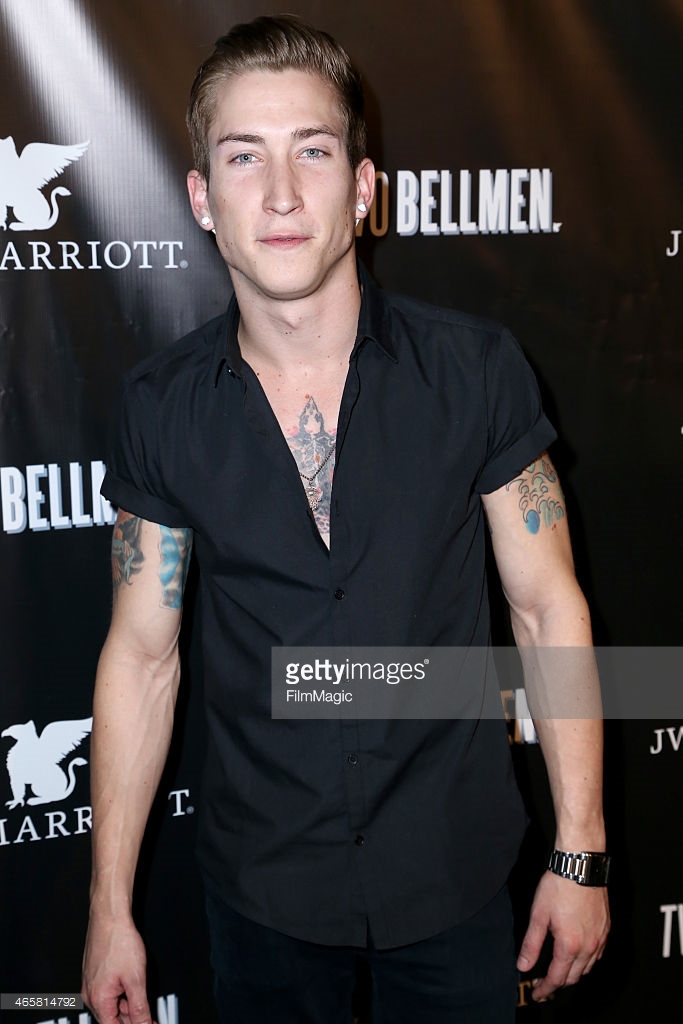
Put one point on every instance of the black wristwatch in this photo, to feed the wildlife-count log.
(586, 868)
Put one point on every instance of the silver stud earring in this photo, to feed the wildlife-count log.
(205, 221)
(362, 207)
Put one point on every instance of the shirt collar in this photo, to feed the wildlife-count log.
(373, 324)
(373, 320)
(227, 349)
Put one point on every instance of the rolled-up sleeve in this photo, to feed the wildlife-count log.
(518, 430)
(134, 479)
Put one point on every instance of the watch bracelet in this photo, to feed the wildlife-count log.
(588, 867)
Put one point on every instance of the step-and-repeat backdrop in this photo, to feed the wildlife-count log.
(529, 163)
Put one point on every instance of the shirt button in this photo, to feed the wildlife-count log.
(352, 759)
(359, 840)
(340, 594)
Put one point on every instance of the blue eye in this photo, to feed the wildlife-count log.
(313, 152)
(243, 158)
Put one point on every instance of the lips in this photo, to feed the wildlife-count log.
(284, 241)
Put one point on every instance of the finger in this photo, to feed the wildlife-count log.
(557, 975)
(597, 955)
(577, 970)
(590, 964)
(135, 1009)
(561, 974)
(125, 1018)
(531, 946)
(105, 1011)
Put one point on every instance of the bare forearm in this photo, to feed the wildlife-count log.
(563, 692)
(135, 693)
(133, 718)
(573, 755)
(552, 629)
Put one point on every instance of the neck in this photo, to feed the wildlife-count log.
(311, 331)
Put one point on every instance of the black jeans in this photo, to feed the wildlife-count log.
(465, 975)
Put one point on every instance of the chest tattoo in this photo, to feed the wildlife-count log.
(313, 448)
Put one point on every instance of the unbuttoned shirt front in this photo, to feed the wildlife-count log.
(325, 829)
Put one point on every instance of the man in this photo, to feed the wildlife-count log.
(322, 841)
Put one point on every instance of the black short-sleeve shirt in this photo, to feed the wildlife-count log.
(321, 829)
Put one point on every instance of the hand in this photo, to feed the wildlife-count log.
(114, 965)
(577, 916)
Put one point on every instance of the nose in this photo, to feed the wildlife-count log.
(282, 194)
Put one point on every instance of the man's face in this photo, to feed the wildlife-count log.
(282, 195)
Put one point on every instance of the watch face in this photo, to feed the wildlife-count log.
(599, 865)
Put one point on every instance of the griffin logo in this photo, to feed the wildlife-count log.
(35, 760)
(22, 178)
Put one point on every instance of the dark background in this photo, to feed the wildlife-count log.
(591, 91)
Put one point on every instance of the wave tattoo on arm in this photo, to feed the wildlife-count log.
(175, 548)
(540, 495)
(126, 550)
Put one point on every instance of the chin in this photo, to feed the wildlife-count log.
(289, 285)
(287, 276)
(291, 291)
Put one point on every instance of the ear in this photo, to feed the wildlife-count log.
(198, 191)
(365, 185)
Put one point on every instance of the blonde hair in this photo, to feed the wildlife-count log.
(276, 44)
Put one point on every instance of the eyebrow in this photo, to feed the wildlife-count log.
(298, 135)
(301, 134)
